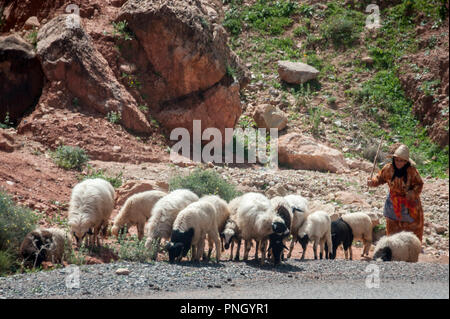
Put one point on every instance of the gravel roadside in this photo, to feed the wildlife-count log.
(231, 280)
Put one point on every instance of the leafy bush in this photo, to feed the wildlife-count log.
(122, 31)
(341, 31)
(133, 249)
(114, 117)
(69, 157)
(205, 182)
(7, 262)
(266, 16)
(15, 223)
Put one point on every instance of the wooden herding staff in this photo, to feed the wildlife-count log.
(375, 160)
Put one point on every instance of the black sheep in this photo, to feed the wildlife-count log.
(341, 233)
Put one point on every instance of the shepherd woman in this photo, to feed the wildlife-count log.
(403, 208)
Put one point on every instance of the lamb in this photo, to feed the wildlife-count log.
(403, 246)
(190, 228)
(299, 207)
(222, 215)
(90, 207)
(341, 233)
(257, 219)
(361, 226)
(316, 228)
(136, 211)
(44, 244)
(163, 215)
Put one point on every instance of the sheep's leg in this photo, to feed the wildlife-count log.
(231, 250)
(256, 250)
(263, 251)
(216, 238)
(304, 250)
(140, 229)
(321, 243)
(201, 248)
(351, 252)
(193, 252)
(315, 249)
(247, 249)
(291, 247)
(210, 246)
(238, 250)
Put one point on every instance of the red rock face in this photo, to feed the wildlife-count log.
(21, 78)
(187, 57)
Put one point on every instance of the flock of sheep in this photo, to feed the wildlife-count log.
(186, 221)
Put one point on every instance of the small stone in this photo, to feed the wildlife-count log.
(440, 229)
(117, 149)
(122, 271)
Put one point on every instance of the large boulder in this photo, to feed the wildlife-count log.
(302, 152)
(188, 52)
(68, 55)
(296, 72)
(269, 116)
(21, 77)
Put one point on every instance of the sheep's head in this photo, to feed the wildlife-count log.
(277, 246)
(228, 235)
(79, 232)
(384, 254)
(180, 243)
(279, 226)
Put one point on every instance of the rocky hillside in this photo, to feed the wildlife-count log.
(115, 77)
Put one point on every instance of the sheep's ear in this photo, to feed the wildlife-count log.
(222, 235)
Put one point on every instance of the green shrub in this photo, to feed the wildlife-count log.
(133, 249)
(122, 31)
(69, 157)
(341, 31)
(205, 182)
(6, 122)
(266, 16)
(15, 222)
(7, 262)
(114, 117)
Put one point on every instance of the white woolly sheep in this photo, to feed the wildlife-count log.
(299, 206)
(90, 207)
(316, 228)
(44, 244)
(163, 215)
(136, 211)
(361, 226)
(222, 215)
(403, 246)
(190, 228)
(257, 219)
